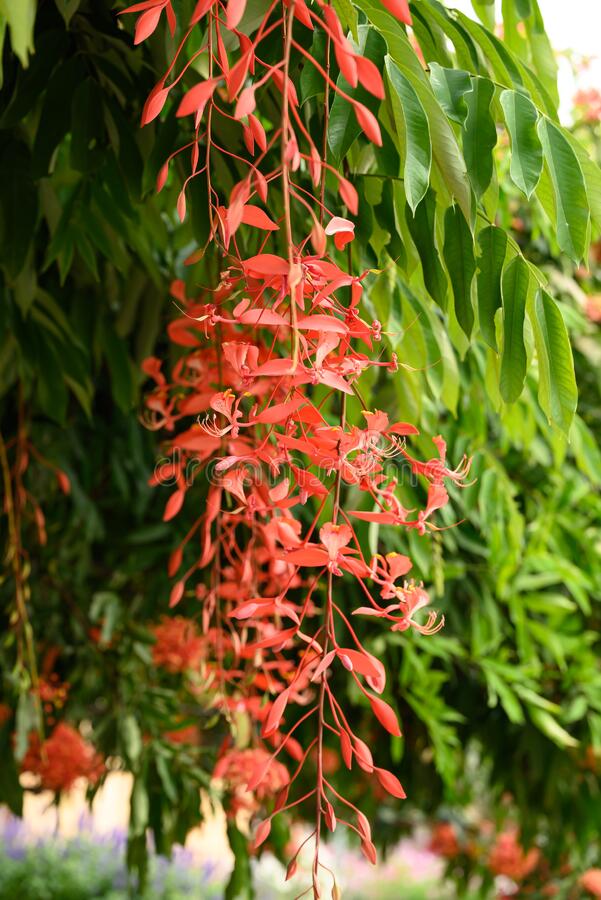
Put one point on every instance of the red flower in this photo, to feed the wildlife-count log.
(237, 767)
(443, 840)
(508, 857)
(61, 759)
(591, 881)
(178, 646)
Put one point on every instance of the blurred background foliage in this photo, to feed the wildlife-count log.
(501, 712)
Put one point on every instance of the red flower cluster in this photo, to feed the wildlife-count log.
(591, 881)
(509, 858)
(259, 404)
(237, 767)
(588, 103)
(61, 759)
(443, 840)
(178, 646)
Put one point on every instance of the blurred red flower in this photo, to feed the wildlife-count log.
(508, 857)
(178, 645)
(62, 758)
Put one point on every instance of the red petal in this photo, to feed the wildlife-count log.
(402, 428)
(391, 783)
(279, 412)
(181, 206)
(162, 177)
(246, 103)
(197, 97)
(177, 592)
(369, 852)
(201, 9)
(63, 481)
(175, 561)
(322, 323)
(272, 722)
(173, 505)
(399, 9)
(349, 195)
(234, 12)
(154, 103)
(385, 715)
(266, 264)
(369, 76)
(253, 215)
(368, 123)
(262, 833)
(147, 23)
(310, 557)
(361, 662)
(346, 749)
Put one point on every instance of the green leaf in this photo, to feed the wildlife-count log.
(20, 17)
(570, 192)
(119, 366)
(55, 118)
(485, 10)
(514, 286)
(52, 392)
(348, 16)
(479, 134)
(422, 226)
(545, 722)
(450, 87)
(67, 9)
(343, 128)
(18, 206)
(523, 8)
(166, 780)
(459, 257)
(26, 721)
(521, 117)
(544, 60)
(445, 149)
(418, 148)
(311, 82)
(557, 391)
(493, 247)
(586, 450)
(132, 738)
(139, 807)
(240, 885)
(87, 125)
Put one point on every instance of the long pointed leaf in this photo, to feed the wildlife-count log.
(557, 389)
(570, 193)
(516, 278)
(493, 247)
(418, 147)
(461, 263)
(479, 134)
(521, 117)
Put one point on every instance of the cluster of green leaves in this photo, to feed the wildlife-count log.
(430, 196)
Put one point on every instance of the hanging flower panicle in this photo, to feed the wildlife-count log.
(267, 357)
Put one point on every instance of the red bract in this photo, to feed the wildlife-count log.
(257, 402)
